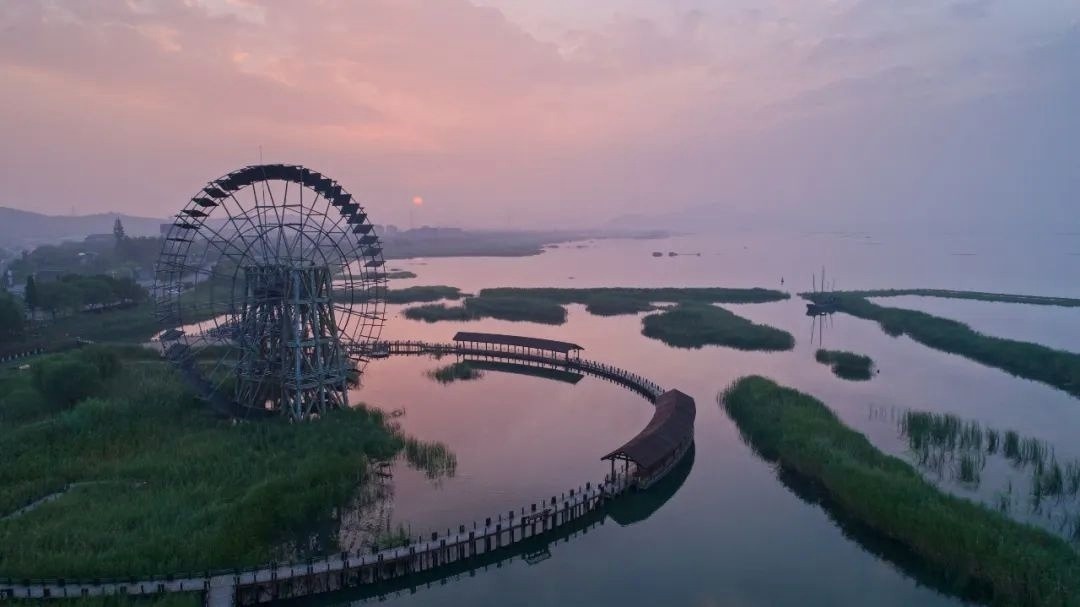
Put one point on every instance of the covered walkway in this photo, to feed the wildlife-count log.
(661, 444)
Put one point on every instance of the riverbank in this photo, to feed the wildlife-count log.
(969, 544)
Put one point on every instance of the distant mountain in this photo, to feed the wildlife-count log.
(25, 230)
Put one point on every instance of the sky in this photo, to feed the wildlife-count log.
(555, 113)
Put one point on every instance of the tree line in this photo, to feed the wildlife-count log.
(75, 293)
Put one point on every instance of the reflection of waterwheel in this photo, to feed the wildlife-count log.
(270, 287)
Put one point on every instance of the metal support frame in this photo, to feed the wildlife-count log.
(292, 359)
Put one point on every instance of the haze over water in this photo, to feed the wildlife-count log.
(732, 533)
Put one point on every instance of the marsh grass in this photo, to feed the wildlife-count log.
(518, 309)
(546, 305)
(1056, 368)
(967, 542)
(609, 301)
(439, 312)
(698, 325)
(846, 365)
(394, 537)
(216, 494)
(956, 450)
(435, 460)
(971, 295)
(421, 294)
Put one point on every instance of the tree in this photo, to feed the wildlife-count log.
(12, 318)
(118, 231)
(56, 297)
(30, 296)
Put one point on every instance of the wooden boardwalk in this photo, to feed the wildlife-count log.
(433, 556)
(643, 386)
(346, 570)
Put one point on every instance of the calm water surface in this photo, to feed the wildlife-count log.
(731, 533)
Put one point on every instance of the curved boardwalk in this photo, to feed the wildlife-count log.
(563, 514)
(643, 386)
(345, 570)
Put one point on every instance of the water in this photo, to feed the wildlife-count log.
(1040, 324)
(732, 532)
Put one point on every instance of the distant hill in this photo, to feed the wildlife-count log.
(25, 230)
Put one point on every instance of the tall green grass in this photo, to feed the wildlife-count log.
(423, 293)
(846, 365)
(697, 325)
(606, 301)
(197, 492)
(518, 309)
(968, 543)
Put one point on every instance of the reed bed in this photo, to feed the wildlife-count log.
(198, 492)
(969, 544)
(698, 325)
(1057, 368)
(846, 365)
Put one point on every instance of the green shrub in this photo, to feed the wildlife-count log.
(65, 379)
(104, 358)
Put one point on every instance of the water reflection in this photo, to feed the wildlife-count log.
(819, 322)
(885, 548)
(1019, 476)
(517, 438)
(630, 509)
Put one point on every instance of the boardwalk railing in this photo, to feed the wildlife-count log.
(356, 569)
(647, 388)
(276, 581)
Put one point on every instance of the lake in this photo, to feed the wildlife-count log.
(728, 531)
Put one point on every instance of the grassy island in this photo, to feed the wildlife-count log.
(1057, 368)
(421, 294)
(1035, 300)
(609, 301)
(969, 544)
(847, 365)
(547, 305)
(698, 325)
(521, 309)
(148, 481)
